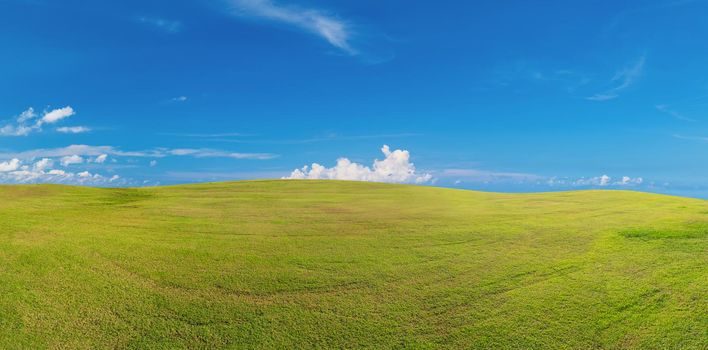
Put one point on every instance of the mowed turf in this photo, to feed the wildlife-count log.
(318, 264)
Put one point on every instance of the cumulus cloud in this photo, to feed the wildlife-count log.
(43, 164)
(604, 180)
(628, 181)
(10, 165)
(101, 159)
(328, 27)
(57, 115)
(29, 121)
(395, 168)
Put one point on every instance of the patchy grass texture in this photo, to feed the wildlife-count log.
(327, 264)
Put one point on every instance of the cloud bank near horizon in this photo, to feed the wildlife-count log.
(396, 167)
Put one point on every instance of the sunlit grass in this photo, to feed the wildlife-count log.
(311, 264)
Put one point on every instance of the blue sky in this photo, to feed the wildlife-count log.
(487, 95)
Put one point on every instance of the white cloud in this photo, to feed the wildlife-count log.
(622, 80)
(10, 165)
(27, 115)
(330, 28)
(395, 168)
(604, 180)
(153, 163)
(180, 99)
(40, 172)
(628, 181)
(73, 129)
(57, 115)
(69, 160)
(28, 121)
(23, 124)
(41, 161)
(43, 164)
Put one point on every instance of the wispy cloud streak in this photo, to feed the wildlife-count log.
(677, 115)
(477, 175)
(166, 25)
(622, 80)
(86, 150)
(330, 28)
(73, 129)
(691, 138)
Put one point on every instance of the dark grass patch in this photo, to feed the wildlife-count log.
(123, 197)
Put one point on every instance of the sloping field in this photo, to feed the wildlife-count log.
(309, 264)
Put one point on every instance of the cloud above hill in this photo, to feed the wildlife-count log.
(42, 165)
(396, 167)
(41, 171)
(596, 181)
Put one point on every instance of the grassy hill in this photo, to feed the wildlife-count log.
(313, 264)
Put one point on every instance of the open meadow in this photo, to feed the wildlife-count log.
(330, 264)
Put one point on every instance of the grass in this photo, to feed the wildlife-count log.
(313, 264)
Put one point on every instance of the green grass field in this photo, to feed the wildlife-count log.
(318, 264)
